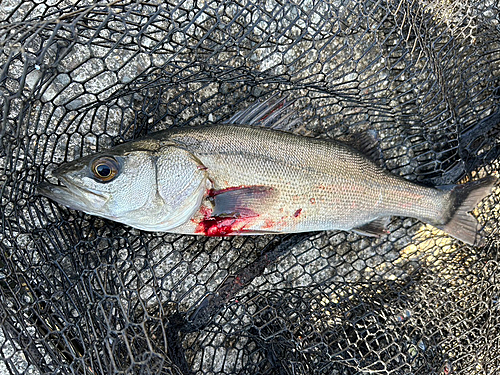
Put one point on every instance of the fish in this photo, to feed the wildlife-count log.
(246, 177)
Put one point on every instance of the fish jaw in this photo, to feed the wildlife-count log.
(72, 196)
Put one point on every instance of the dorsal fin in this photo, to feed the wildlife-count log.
(275, 112)
(367, 143)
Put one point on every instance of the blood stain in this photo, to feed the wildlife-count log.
(216, 226)
(297, 213)
(220, 226)
(268, 223)
(232, 222)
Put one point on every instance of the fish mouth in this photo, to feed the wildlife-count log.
(72, 196)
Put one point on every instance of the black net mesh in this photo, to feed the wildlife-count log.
(82, 295)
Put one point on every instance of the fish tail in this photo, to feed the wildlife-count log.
(459, 223)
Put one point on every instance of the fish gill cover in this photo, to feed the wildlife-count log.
(83, 295)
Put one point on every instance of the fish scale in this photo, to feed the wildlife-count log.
(340, 191)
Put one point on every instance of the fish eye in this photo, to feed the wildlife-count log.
(105, 168)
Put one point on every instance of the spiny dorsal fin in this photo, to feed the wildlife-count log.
(274, 112)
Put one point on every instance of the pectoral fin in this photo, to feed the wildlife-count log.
(374, 228)
(240, 201)
(234, 210)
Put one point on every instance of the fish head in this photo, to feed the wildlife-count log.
(149, 189)
(110, 184)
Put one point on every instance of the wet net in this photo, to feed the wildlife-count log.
(83, 295)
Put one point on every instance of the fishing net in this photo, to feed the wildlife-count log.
(83, 295)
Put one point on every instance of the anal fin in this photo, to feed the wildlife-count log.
(375, 228)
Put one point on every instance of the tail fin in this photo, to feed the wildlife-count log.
(459, 222)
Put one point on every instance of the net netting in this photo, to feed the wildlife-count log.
(83, 295)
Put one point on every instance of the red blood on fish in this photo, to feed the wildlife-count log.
(219, 226)
(297, 213)
(268, 223)
(278, 107)
(222, 226)
(231, 213)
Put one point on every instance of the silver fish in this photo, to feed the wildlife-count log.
(231, 179)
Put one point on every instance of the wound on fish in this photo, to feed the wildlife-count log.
(231, 212)
(219, 226)
(297, 213)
